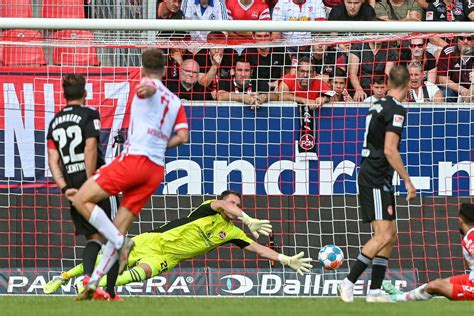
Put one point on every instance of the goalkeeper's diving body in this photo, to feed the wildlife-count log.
(458, 287)
(204, 229)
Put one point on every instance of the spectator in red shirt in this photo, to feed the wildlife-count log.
(246, 10)
(304, 88)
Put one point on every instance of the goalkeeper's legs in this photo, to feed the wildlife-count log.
(136, 274)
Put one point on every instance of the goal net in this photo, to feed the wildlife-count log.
(295, 164)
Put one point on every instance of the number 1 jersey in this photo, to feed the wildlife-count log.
(386, 115)
(67, 133)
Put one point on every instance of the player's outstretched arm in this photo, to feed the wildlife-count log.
(297, 262)
(395, 160)
(256, 226)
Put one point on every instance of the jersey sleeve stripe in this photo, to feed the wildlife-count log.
(180, 126)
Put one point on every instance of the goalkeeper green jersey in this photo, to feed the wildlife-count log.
(201, 231)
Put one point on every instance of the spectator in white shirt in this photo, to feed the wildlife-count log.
(421, 92)
(203, 10)
(298, 10)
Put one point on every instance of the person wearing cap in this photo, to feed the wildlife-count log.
(458, 287)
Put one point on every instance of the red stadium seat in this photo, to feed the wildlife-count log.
(75, 54)
(18, 55)
(20, 9)
(66, 9)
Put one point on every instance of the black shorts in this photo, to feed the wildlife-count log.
(376, 204)
(82, 226)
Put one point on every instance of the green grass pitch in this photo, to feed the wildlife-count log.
(154, 306)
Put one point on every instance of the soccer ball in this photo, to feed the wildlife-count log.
(330, 257)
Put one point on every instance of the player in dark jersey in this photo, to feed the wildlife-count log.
(73, 156)
(380, 157)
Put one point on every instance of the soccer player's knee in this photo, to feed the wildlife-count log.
(434, 286)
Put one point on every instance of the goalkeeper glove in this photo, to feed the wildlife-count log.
(256, 226)
(297, 262)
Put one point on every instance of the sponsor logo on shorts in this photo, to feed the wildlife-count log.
(307, 142)
(390, 210)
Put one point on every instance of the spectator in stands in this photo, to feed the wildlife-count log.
(188, 87)
(352, 10)
(203, 10)
(246, 10)
(215, 62)
(421, 92)
(170, 9)
(448, 11)
(173, 62)
(304, 88)
(298, 10)
(368, 60)
(339, 86)
(239, 87)
(323, 59)
(379, 89)
(417, 52)
(398, 10)
(270, 62)
(455, 66)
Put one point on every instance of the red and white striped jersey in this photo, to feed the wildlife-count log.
(255, 10)
(152, 122)
(468, 250)
(288, 10)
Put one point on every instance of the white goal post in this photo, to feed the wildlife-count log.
(236, 26)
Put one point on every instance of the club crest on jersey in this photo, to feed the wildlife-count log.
(222, 234)
(307, 142)
(390, 210)
(398, 120)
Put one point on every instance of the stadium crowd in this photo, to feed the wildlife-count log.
(441, 67)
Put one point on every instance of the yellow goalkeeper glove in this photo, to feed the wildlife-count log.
(297, 262)
(256, 226)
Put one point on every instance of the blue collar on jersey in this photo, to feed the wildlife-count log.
(211, 2)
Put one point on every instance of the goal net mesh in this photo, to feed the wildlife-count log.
(305, 185)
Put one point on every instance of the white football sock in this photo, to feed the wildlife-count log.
(103, 224)
(110, 256)
(418, 294)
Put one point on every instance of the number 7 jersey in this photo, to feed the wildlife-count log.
(67, 133)
(153, 120)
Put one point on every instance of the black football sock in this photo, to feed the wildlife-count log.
(379, 266)
(112, 278)
(358, 267)
(89, 256)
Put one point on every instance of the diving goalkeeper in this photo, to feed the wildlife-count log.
(204, 229)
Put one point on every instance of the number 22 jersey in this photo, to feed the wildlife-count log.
(67, 133)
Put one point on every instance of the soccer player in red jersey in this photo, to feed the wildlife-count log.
(157, 122)
(458, 287)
